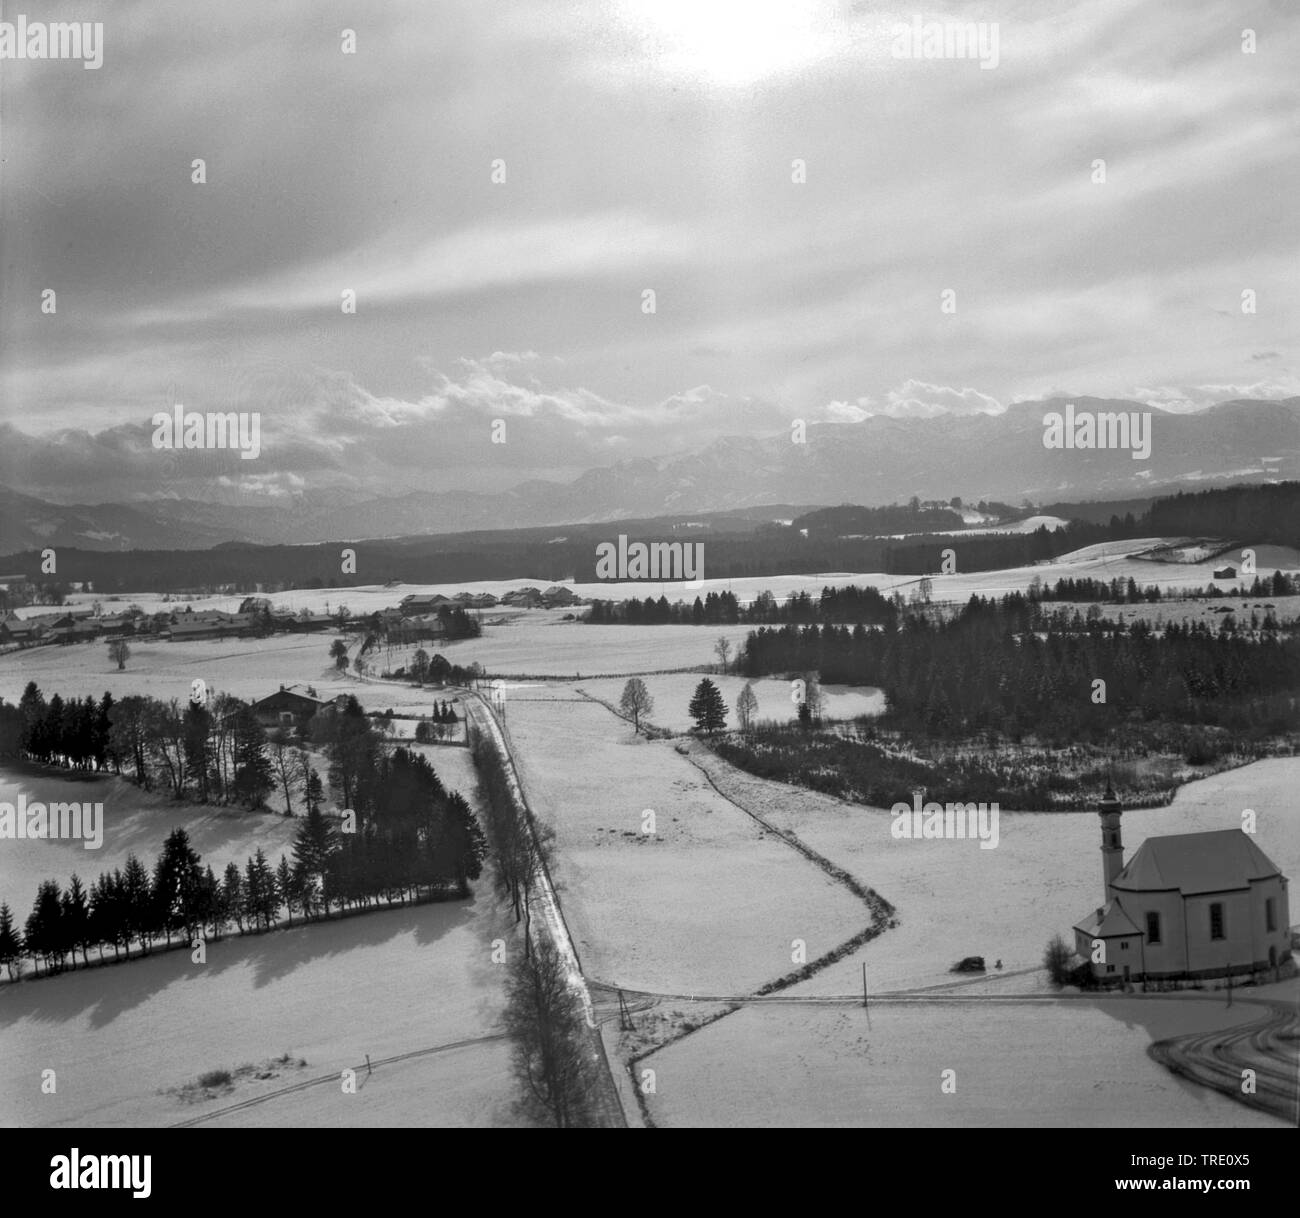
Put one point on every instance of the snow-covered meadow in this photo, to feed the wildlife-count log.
(125, 1038)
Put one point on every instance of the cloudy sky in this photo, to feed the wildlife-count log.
(647, 145)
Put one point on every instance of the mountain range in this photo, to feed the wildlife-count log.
(876, 461)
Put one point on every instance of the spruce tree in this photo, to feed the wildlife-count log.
(138, 905)
(286, 887)
(11, 945)
(312, 849)
(75, 920)
(707, 707)
(43, 932)
(232, 896)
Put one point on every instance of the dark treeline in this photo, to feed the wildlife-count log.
(217, 754)
(1127, 591)
(551, 1052)
(912, 518)
(1011, 666)
(1245, 513)
(862, 604)
(519, 853)
(406, 838)
(850, 604)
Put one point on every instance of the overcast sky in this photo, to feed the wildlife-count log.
(648, 144)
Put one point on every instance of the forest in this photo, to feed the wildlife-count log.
(402, 836)
(1013, 667)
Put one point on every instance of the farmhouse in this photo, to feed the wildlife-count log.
(308, 623)
(74, 632)
(15, 630)
(425, 626)
(1226, 573)
(420, 603)
(524, 598)
(210, 624)
(557, 595)
(1187, 905)
(290, 706)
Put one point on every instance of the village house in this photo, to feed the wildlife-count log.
(292, 706)
(74, 632)
(210, 624)
(558, 596)
(523, 598)
(15, 631)
(418, 603)
(1187, 905)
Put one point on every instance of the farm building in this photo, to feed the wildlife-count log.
(1226, 573)
(419, 603)
(14, 630)
(290, 706)
(209, 625)
(1187, 905)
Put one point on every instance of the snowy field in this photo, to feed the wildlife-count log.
(123, 1039)
(707, 901)
(247, 668)
(1067, 1062)
(954, 899)
(134, 821)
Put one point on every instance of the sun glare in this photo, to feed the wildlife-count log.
(733, 42)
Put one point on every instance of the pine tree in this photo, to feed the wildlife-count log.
(11, 945)
(139, 912)
(177, 885)
(253, 777)
(209, 902)
(232, 896)
(43, 933)
(707, 707)
(260, 898)
(286, 887)
(75, 920)
(313, 848)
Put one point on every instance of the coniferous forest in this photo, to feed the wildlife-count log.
(401, 836)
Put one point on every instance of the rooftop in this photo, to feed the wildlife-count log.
(1215, 861)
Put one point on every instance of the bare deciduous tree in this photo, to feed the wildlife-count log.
(746, 706)
(552, 1061)
(636, 701)
(722, 649)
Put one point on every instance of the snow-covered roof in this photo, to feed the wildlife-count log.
(1216, 861)
(1107, 922)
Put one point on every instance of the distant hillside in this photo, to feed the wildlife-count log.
(877, 461)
